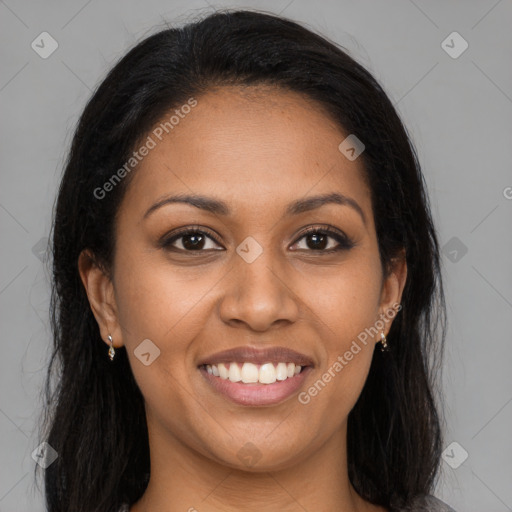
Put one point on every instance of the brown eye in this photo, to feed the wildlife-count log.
(190, 240)
(325, 240)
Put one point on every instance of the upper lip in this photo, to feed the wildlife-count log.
(258, 356)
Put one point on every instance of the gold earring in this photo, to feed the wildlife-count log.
(383, 342)
(111, 351)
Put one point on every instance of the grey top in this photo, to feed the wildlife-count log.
(421, 504)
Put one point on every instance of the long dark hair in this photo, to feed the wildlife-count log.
(94, 413)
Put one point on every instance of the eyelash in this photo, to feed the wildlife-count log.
(345, 243)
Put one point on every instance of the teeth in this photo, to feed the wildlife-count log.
(223, 371)
(250, 373)
(281, 371)
(234, 373)
(267, 373)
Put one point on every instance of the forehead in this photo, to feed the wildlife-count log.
(250, 146)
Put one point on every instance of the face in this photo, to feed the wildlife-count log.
(247, 274)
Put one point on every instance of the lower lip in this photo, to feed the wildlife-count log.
(255, 394)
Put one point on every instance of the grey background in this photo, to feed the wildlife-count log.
(458, 112)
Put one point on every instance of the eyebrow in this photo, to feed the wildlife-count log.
(219, 207)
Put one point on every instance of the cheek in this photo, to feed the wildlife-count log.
(345, 300)
(154, 298)
(347, 308)
(162, 304)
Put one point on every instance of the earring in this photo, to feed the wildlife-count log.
(111, 351)
(384, 345)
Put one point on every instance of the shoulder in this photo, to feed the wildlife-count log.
(427, 503)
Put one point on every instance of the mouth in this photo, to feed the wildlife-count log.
(250, 373)
(253, 377)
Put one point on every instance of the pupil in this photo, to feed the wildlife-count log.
(316, 237)
(194, 245)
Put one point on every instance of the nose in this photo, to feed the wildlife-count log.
(258, 294)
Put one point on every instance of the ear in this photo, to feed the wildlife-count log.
(100, 292)
(393, 287)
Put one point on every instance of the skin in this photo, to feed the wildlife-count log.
(257, 149)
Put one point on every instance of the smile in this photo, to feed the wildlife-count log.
(249, 373)
(255, 385)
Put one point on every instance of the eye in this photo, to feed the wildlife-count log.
(324, 239)
(317, 240)
(189, 240)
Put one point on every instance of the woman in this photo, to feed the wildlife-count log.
(241, 222)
